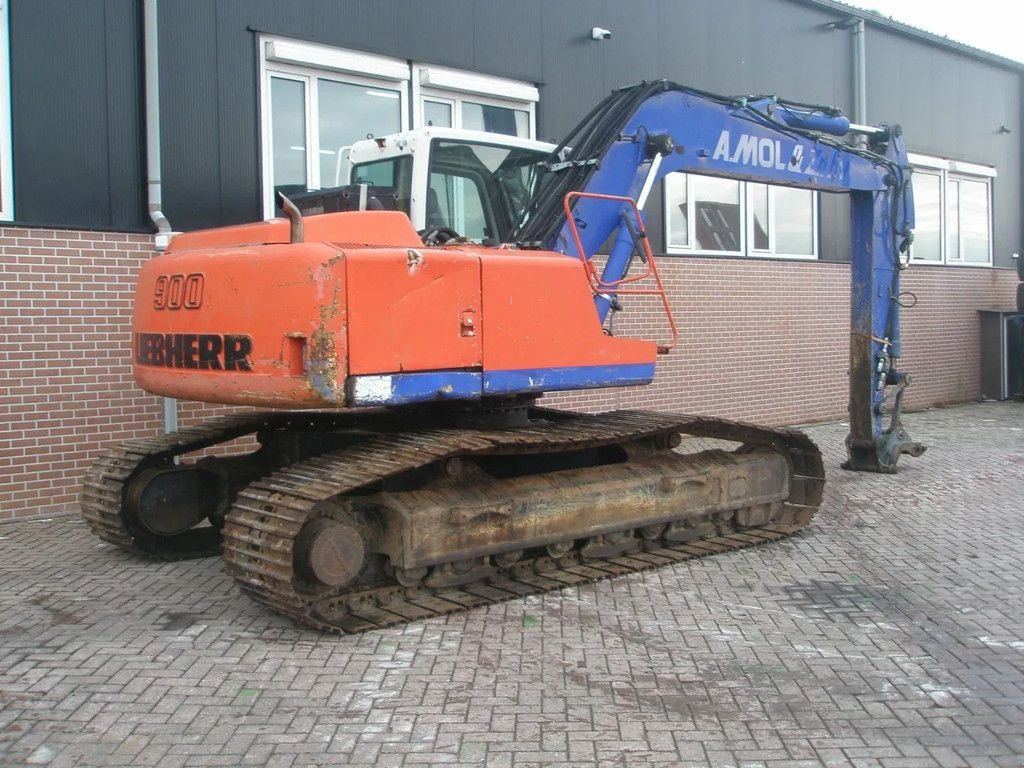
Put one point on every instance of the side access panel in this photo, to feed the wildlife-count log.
(543, 333)
(414, 325)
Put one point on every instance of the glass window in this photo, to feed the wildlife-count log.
(395, 173)
(677, 198)
(794, 221)
(953, 221)
(456, 202)
(717, 214)
(494, 119)
(479, 190)
(288, 134)
(349, 112)
(342, 112)
(437, 113)
(318, 100)
(714, 215)
(952, 207)
(928, 216)
(974, 221)
(759, 209)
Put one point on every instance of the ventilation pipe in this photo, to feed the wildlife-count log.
(153, 165)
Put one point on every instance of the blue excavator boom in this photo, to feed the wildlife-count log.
(640, 134)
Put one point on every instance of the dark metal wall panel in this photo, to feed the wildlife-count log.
(507, 38)
(76, 113)
(952, 106)
(125, 116)
(238, 121)
(190, 112)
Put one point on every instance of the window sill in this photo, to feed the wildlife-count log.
(717, 255)
(954, 264)
(758, 256)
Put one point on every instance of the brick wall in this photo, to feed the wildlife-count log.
(761, 340)
(65, 380)
(769, 340)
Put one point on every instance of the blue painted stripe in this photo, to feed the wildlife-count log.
(403, 388)
(553, 379)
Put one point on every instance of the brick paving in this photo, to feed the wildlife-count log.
(890, 633)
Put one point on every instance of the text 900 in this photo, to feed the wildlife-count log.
(177, 291)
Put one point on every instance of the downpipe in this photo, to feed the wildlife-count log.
(154, 188)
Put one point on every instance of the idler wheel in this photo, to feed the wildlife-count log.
(329, 553)
(167, 501)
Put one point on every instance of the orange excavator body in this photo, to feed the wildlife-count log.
(360, 313)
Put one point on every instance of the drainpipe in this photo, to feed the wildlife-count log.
(153, 183)
(860, 81)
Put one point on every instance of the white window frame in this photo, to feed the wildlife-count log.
(307, 62)
(455, 86)
(6, 176)
(746, 220)
(947, 171)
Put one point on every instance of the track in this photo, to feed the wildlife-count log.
(261, 528)
(102, 498)
(102, 495)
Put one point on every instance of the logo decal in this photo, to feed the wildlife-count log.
(758, 151)
(200, 351)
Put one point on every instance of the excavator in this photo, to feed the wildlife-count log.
(394, 461)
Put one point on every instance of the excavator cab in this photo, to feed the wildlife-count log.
(451, 181)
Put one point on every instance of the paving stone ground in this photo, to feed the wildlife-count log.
(890, 633)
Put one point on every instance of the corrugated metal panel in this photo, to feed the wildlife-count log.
(190, 112)
(125, 110)
(507, 38)
(75, 112)
(239, 126)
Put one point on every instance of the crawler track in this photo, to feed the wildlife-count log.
(102, 495)
(102, 498)
(261, 527)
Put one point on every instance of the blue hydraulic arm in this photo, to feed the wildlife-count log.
(639, 134)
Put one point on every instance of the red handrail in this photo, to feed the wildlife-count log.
(598, 286)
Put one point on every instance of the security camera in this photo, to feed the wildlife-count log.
(601, 34)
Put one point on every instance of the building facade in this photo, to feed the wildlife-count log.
(259, 95)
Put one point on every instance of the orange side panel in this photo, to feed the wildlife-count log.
(263, 326)
(413, 310)
(540, 313)
(380, 228)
